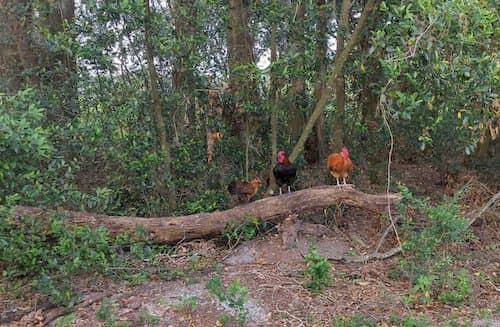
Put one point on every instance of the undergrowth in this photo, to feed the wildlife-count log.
(235, 233)
(235, 296)
(46, 253)
(431, 262)
(317, 271)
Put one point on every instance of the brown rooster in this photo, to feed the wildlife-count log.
(340, 165)
(242, 192)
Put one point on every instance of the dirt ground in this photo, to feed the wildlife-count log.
(273, 274)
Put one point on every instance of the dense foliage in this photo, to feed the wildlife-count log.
(432, 65)
(146, 108)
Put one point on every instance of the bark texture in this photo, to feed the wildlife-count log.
(201, 225)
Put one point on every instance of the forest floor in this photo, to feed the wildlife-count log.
(275, 280)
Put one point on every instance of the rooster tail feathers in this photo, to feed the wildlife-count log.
(231, 188)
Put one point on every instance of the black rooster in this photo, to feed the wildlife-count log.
(284, 171)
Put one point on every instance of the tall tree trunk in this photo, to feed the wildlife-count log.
(273, 94)
(368, 101)
(183, 79)
(337, 135)
(241, 64)
(157, 114)
(320, 56)
(297, 89)
(338, 68)
(17, 53)
(59, 15)
(240, 54)
(24, 58)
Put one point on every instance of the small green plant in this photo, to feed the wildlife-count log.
(106, 313)
(310, 318)
(136, 279)
(65, 321)
(169, 275)
(317, 271)
(246, 231)
(409, 321)
(235, 295)
(223, 320)
(188, 305)
(215, 287)
(355, 321)
(422, 290)
(456, 288)
(146, 318)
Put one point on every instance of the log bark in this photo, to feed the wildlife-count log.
(174, 229)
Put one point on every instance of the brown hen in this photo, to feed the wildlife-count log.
(340, 165)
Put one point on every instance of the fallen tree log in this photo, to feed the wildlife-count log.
(201, 225)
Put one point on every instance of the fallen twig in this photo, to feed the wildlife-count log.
(475, 214)
(376, 255)
(58, 312)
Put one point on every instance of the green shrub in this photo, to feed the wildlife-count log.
(235, 295)
(32, 170)
(245, 231)
(317, 271)
(48, 252)
(429, 261)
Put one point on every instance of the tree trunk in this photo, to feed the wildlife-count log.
(169, 188)
(297, 92)
(371, 143)
(321, 62)
(273, 94)
(17, 53)
(60, 14)
(240, 53)
(337, 135)
(185, 16)
(242, 84)
(339, 66)
(174, 229)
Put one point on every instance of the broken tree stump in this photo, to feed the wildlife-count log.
(171, 230)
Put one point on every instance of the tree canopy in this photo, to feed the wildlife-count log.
(112, 106)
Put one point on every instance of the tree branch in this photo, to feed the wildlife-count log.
(339, 66)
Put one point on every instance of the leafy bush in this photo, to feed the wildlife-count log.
(208, 201)
(32, 171)
(24, 143)
(430, 260)
(235, 296)
(245, 231)
(48, 253)
(317, 271)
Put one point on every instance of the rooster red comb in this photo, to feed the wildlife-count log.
(281, 156)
